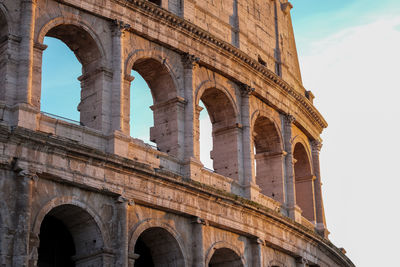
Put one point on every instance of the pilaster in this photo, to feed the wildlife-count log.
(251, 190)
(294, 211)
(191, 152)
(21, 251)
(27, 25)
(319, 205)
(118, 97)
(198, 228)
(121, 224)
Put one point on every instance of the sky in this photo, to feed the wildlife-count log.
(349, 52)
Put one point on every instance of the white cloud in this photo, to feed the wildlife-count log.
(354, 75)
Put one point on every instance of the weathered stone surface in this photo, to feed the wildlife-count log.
(91, 195)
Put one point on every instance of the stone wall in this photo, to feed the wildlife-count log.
(90, 194)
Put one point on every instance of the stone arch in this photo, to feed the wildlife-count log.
(224, 115)
(304, 179)
(167, 232)
(224, 254)
(86, 30)
(208, 84)
(156, 69)
(89, 51)
(158, 55)
(267, 142)
(73, 201)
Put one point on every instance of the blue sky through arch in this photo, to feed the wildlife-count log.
(61, 89)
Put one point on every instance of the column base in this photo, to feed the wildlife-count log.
(118, 144)
(321, 230)
(295, 213)
(251, 191)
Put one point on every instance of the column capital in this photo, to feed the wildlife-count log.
(122, 199)
(286, 7)
(316, 146)
(289, 118)
(28, 175)
(119, 27)
(198, 220)
(246, 90)
(189, 60)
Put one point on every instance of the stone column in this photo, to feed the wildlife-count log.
(122, 232)
(251, 189)
(198, 242)
(24, 115)
(257, 252)
(24, 182)
(27, 24)
(34, 243)
(9, 57)
(294, 211)
(120, 99)
(190, 158)
(117, 94)
(319, 205)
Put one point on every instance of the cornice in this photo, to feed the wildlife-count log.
(196, 32)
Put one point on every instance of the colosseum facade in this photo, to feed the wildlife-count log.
(89, 194)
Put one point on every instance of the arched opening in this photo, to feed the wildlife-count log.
(91, 78)
(69, 236)
(60, 87)
(3, 55)
(268, 158)
(156, 247)
(166, 105)
(225, 257)
(141, 119)
(205, 137)
(304, 182)
(225, 132)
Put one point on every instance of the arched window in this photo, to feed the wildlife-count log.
(141, 118)
(304, 182)
(91, 78)
(225, 132)
(205, 137)
(225, 257)
(69, 237)
(61, 91)
(165, 109)
(268, 158)
(156, 247)
(3, 55)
